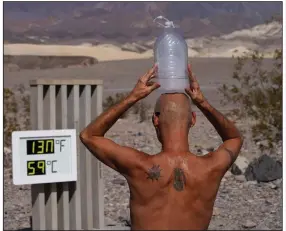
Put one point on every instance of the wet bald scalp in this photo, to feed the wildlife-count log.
(175, 110)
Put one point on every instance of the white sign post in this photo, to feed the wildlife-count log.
(44, 156)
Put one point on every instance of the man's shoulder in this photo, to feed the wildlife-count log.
(213, 163)
(145, 161)
(140, 158)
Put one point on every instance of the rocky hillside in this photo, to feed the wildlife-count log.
(265, 38)
(121, 22)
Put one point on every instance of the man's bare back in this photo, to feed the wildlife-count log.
(174, 189)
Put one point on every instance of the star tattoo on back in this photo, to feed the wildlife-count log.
(154, 173)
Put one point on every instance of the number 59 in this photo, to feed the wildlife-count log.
(36, 167)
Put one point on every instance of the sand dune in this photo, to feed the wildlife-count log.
(104, 52)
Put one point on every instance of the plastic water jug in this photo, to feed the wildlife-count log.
(171, 56)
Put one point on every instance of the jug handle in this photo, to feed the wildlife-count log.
(167, 22)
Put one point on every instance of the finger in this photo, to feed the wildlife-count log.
(153, 76)
(194, 85)
(150, 83)
(154, 86)
(189, 68)
(195, 78)
(188, 91)
(156, 67)
(150, 73)
(191, 75)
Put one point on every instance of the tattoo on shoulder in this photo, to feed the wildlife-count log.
(154, 173)
(179, 179)
(231, 155)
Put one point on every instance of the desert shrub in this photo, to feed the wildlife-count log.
(275, 18)
(16, 112)
(47, 62)
(113, 100)
(258, 95)
(140, 108)
(9, 116)
(143, 111)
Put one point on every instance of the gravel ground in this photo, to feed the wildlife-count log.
(239, 204)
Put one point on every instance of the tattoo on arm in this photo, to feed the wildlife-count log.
(154, 173)
(179, 179)
(231, 155)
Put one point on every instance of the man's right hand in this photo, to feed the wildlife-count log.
(194, 90)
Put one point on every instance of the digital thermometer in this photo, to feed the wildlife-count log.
(44, 156)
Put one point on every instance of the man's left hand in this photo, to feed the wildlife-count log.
(144, 86)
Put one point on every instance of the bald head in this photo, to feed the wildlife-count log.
(175, 110)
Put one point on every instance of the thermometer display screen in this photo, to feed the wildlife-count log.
(36, 167)
(35, 147)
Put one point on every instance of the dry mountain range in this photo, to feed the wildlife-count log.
(122, 22)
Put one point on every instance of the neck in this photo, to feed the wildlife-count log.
(175, 141)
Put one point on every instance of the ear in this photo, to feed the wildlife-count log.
(155, 120)
(194, 119)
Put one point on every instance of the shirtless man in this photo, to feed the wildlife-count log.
(174, 189)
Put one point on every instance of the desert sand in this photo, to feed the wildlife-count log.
(108, 52)
(104, 52)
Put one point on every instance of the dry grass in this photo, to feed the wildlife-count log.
(16, 112)
(46, 62)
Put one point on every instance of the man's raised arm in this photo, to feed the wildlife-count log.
(113, 155)
(232, 140)
(227, 153)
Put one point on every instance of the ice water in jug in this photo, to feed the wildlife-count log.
(171, 56)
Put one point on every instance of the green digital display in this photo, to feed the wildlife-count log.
(36, 167)
(35, 147)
